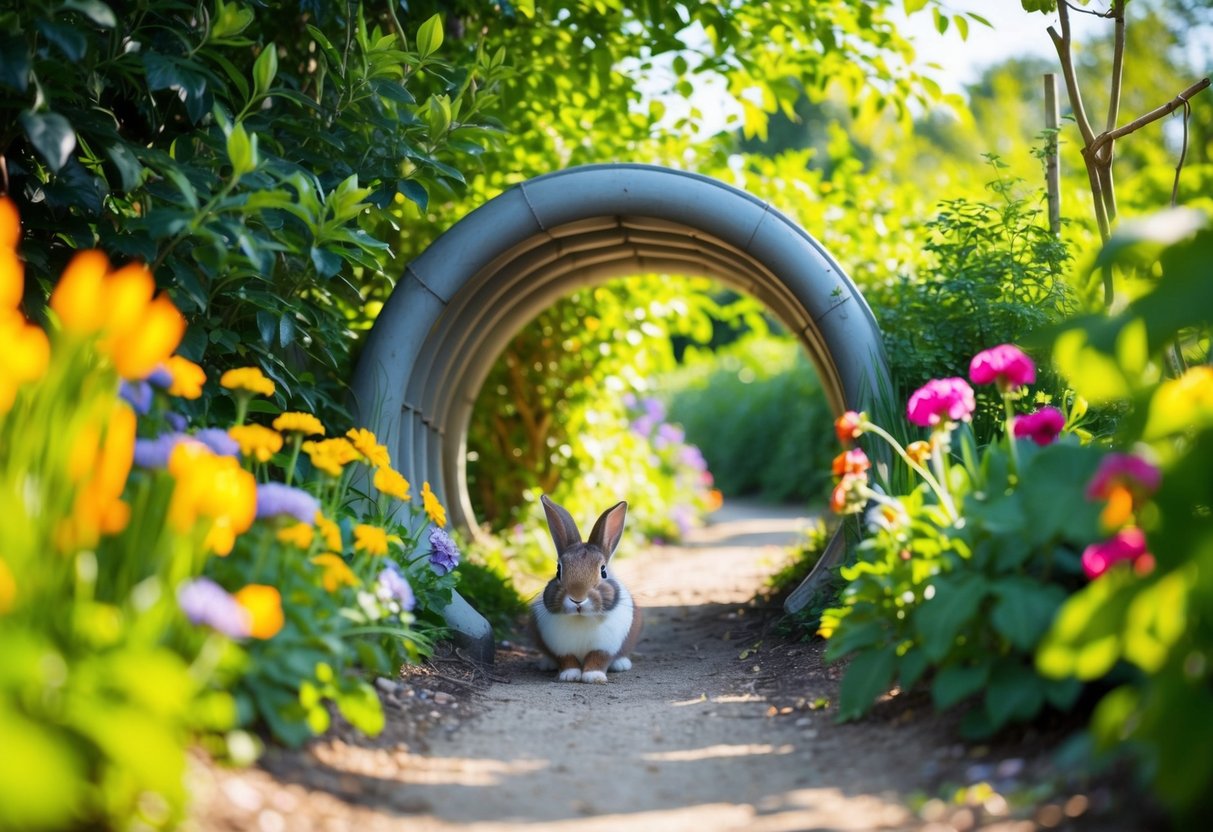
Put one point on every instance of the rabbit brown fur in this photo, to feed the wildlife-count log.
(585, 622)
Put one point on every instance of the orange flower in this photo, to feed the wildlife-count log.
(336, 573)
(214, 490)
(854, 461)
(368, 445)
(264, 607)
(188, 377)
(25, 355)
(8, 585)
(138, 332)
(391, 482)
(106, 462)
(12, 271)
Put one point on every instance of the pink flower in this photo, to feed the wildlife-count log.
(1124, 471)
(854, 461)
(1006, 365)
(1128, 544)
(1042, 427)
(939, 399)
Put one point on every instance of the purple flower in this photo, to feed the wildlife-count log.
(1005, 365)
(1042, 427)
(219, 442)
(138, 394)
(176, 421)
(161, 377)
(667, 435)
(154, 453)
(444, 555)
(397, 586)
(941, 399)
(274, 499)
(692, 457)
(683, 517)
(205, 602)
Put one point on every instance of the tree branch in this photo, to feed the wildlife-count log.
(1062, 44)
(1154, 115)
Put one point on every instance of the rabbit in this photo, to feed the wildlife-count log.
(585, 622)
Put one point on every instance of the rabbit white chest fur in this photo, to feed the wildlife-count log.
(578, 635)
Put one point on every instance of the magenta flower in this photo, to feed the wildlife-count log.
(1042, 427)
(1006, 365)
(941, 399)
(1127, 471)
(1129, 544)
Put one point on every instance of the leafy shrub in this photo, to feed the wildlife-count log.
(1154, 624)
(959, 579)
(757, 411)
(236, 150)
(997, 276)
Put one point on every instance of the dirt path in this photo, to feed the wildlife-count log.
(709, 731)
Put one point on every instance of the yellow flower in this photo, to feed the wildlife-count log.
(919, 451)
(256, 441)
(299, 535)
(336, 572)
(264, 607)
(212, 489)
(432, 507)
(248, 378)
(331, 455)
(370, 539)
(330, 531)
(391, 482)
(369, 446)
(12, 271)
(8, 585)
(138, 332)
(188, 377)
(304, 423)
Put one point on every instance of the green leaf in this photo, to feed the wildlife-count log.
(94, 10)
(941, 620)
(267, 326)
(850, 637)
(1024, 609)
(130, 171)
(913, 664)
(286, 330)
(1085, 639)
(429, 36)
(867, 676)
(912, 6)
(69, 39)
(962, 26)
(264, 70)
(953, 685)
(1015, 694)
(360, 705)
(51, 135)
(326, 262)
(241, 151)
(941, 21)
(14, 61)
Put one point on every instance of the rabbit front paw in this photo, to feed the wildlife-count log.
(570, 674)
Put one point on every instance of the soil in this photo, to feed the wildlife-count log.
(720, 725)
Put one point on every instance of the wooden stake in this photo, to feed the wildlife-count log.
(1052, 167)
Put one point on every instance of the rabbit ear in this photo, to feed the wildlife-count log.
(560, 523)
(609, 528)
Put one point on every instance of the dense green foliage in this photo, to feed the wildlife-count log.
(756, 410)
(235, 149)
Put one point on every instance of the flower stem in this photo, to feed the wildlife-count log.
(296, 444)
(940, 493)
(1009, 406)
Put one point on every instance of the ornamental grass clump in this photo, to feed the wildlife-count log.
(957, 580)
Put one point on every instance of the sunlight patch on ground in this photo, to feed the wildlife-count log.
(716, 752)
(403, 766)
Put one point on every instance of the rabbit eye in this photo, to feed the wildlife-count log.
(602, 571)
(557, 571)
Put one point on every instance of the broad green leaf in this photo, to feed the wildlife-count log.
(51, 135)
(1014, 694)
(1024, 609)
(44, 775)
(962, 26)
(69, 39)
(941, 620)
(868, 676)
(429, 36)
(912, 6)
(1158, 619)
(1086, 636)
(130, 172)
(14, 61)
(94, 10)
(954, 684)
(361, 706)
(1145, 236)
